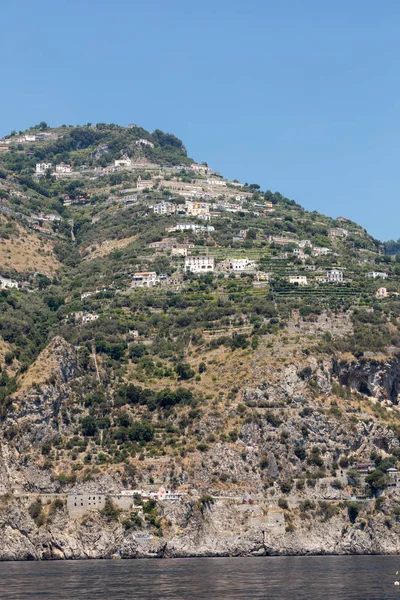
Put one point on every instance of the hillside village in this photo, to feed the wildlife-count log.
(183, 354)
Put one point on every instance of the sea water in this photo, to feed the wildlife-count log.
(275, 578)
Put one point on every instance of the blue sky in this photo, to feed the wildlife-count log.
(300, 97)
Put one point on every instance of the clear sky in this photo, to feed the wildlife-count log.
(300, 96)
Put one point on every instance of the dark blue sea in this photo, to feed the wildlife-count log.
(294, 578)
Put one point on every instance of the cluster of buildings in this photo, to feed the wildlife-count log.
(191, 227)
(58, 170)
(29, 138)
(80, 503)
(331, 276)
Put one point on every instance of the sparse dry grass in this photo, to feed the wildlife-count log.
(107, 247)
(28, 253)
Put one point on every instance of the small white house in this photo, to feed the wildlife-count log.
(87, 295)
(239, 264)
(63, 168)
(299, 253)
(298, 280)
(143, 142)
(180, 251)
(377, 275)
(321, 251)
(202, 169)
(219, 182)
(88, 318)
(199, 264)
(42, 168)
(7, 283)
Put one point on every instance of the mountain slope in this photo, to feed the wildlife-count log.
(173, 328)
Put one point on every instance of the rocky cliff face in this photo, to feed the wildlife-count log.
(39, 411)
(221, 529)
(286, 425)
(378, 378)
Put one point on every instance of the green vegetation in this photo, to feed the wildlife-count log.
(163, 371)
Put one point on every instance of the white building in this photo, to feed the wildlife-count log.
(377, 275)
(7, 283)
(41, 168)
(125, 161)
(239, 264)
(164, 494)
(87, 295)
(199, 264)
(191, 227)
(143, 142)
(321, 251)
(144, 279)
(30, 138)
(180, 251)
(299, 253)
(164, 208)
(298, 280)
(89, 318)
(304, 244)
(63, 168)
(216, 182)
(334, 276)
(202, 169)
(338, 232)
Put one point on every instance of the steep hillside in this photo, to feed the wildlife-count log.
(163, 326)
